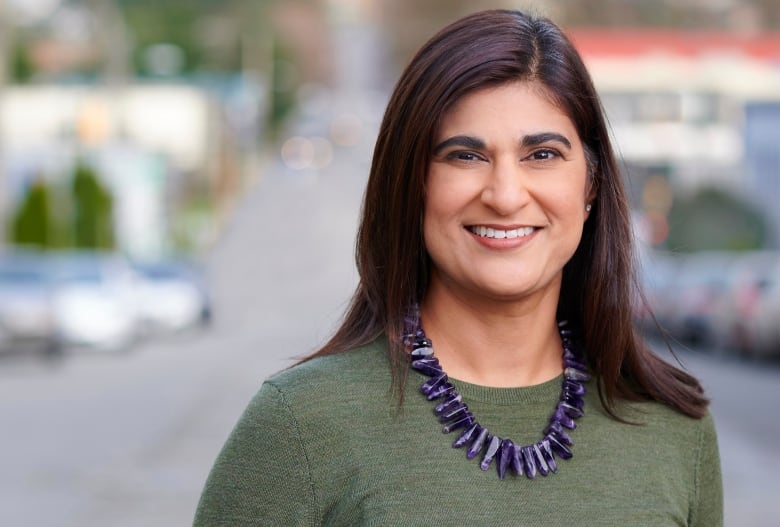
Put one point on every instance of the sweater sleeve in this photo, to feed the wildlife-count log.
(707, 509)
(261, 476)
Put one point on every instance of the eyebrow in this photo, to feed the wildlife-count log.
(530, 140)
(460, 140)
(544, 137)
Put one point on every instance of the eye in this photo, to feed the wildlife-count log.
(544, 154)
(463, 156)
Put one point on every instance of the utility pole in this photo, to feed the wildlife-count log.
(112, 37)
(5, 42)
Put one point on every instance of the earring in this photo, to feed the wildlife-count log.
(588, 207)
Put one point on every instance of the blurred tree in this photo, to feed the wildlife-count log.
(283, 83)
(93, 215)
(203, 30)
(32, 223)
(22, 68)
(713, 219)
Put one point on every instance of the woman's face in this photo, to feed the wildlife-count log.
(506, 192)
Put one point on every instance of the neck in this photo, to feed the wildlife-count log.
(500, 344)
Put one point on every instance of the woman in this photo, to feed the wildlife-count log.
(496, 232)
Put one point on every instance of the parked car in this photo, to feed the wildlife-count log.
(172, 295)
(657, 272)
(764, 324)
(26, 320)
(94, 301)
(699, 282)
(739, 311)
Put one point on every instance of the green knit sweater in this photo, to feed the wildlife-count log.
(325, 443)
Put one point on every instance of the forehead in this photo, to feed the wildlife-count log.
(520, 103)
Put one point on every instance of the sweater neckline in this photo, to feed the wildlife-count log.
(510, 396)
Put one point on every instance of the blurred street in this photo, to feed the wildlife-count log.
(244, 138)
(127, 440)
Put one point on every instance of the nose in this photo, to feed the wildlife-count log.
(506, 188)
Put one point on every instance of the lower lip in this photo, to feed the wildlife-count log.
(503, 243)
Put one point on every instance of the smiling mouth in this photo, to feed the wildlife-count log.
(500, 234)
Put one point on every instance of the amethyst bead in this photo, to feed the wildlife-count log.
(561, 417)
(547, 454)
(504, 457)
(573, 363)
(574, 400)
(441, 391)
(425, 352)
(575, 374)
(449, 402)
(560, 433)
(456, 413)
(539, 460)
(529, 465)
(570, 410)
(427, 367)
(476, 446)
(517, 460)
(423, 343)
(574, 387)
(471, 433)
(466, 419)
(558, 446)
(433, 383)
(494, 443)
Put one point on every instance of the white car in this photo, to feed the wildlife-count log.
(94, 301)
(172, 296)
(25, 303)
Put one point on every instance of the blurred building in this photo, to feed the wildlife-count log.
(173, 144)
(154, 145)
(689, 109)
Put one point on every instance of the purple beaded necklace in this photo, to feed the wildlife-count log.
(537, 458)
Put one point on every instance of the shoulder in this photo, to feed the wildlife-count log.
(355, 365)
(325, 384)
(294, 438)
(666, 423)
(662, 417)
(650, 430)
(685, 449)
(662, 463)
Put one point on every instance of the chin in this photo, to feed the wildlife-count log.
(515, 288)
(503, 293)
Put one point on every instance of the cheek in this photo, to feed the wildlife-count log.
(441, 218)
(564, 202)
(570, 197)
(443, 200)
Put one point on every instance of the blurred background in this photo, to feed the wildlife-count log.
(179, 189)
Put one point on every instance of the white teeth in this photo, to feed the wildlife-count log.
(499, 234)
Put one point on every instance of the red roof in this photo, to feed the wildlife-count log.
(623, 43)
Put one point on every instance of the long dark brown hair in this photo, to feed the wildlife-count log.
(599, 284)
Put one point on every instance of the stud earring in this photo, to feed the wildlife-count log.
(588, 207)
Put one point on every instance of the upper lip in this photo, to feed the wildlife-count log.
(501, 227)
